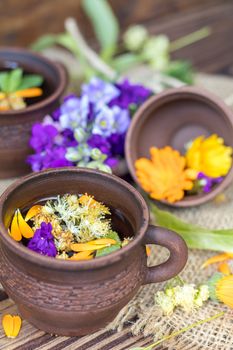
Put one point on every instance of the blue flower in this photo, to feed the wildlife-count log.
(75, 113)
(121, 120)
(100, 91)
(104, 122)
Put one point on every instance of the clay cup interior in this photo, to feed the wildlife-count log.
(173, 118)
(76, 298)
(15, 125)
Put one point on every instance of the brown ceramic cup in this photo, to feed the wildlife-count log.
(173, 118)
(15, 125)
(76, 298)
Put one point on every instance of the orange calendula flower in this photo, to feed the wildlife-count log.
(164, 176)
(11, 325)
(210, 156)
(221, 288)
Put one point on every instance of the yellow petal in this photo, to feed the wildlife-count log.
(82, 256)
(33, 211)
(217, 258)
(224, 268)
(17, 325)
(25, 229)
(82, 247)
(107, 241)
(15, 231)
(8, 325)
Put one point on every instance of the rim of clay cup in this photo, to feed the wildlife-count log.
(203, 94)
(63, 265)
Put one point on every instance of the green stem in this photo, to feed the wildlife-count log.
(190, 39)
(185, 329)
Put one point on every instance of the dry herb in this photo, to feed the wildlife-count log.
(72, 227)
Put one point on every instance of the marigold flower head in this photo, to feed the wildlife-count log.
(164, 176)
(221, 288)
(210, 156)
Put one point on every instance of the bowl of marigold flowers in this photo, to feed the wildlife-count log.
(179, 147)
(73, 248)
(30, 87)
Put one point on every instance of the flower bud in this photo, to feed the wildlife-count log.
(135, 37)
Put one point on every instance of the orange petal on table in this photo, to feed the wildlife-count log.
(33, 211)
(25, 229)
(82, 247)
(224, 268)
(82, 256)
(26, 93)
(15, 230)
(11, 325)
(107, 241)
(217, 258)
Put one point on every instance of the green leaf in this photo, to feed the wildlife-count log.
(181, 70)
(112, 248)
(195, 236)
(105, 25)
(31, 80)
(125, 61)
(14, 80)
(4, 77)
(44, 42)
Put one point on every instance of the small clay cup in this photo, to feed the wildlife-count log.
(76, 298)
(173, 118)
(15, 126)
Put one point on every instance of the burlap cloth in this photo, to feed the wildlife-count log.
(141, 313)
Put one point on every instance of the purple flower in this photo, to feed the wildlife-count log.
(75, 113)
(122, 120)
(42, 136)
(98, 141)
(51, 157)
(112, 162)
(43, 241)
(208, 182)
(98, 90)
(104, 122)
(117, 143)
(130, 94)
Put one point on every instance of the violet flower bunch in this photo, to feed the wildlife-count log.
(88, 130)
(43, 241)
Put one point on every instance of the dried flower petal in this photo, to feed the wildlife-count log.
(217, 258)
(25, 229)
(15, 231)
(11, 325)
(224, 268)
(105, 241)
(82, 256)
(33, 211)
(82, 247)
(31, 92)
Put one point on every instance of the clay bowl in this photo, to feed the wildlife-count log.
(76, 298)
(173, 118)
(15, 126)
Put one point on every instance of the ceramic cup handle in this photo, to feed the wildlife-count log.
(178, 254)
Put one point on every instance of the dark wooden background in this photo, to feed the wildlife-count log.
(22, 21)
